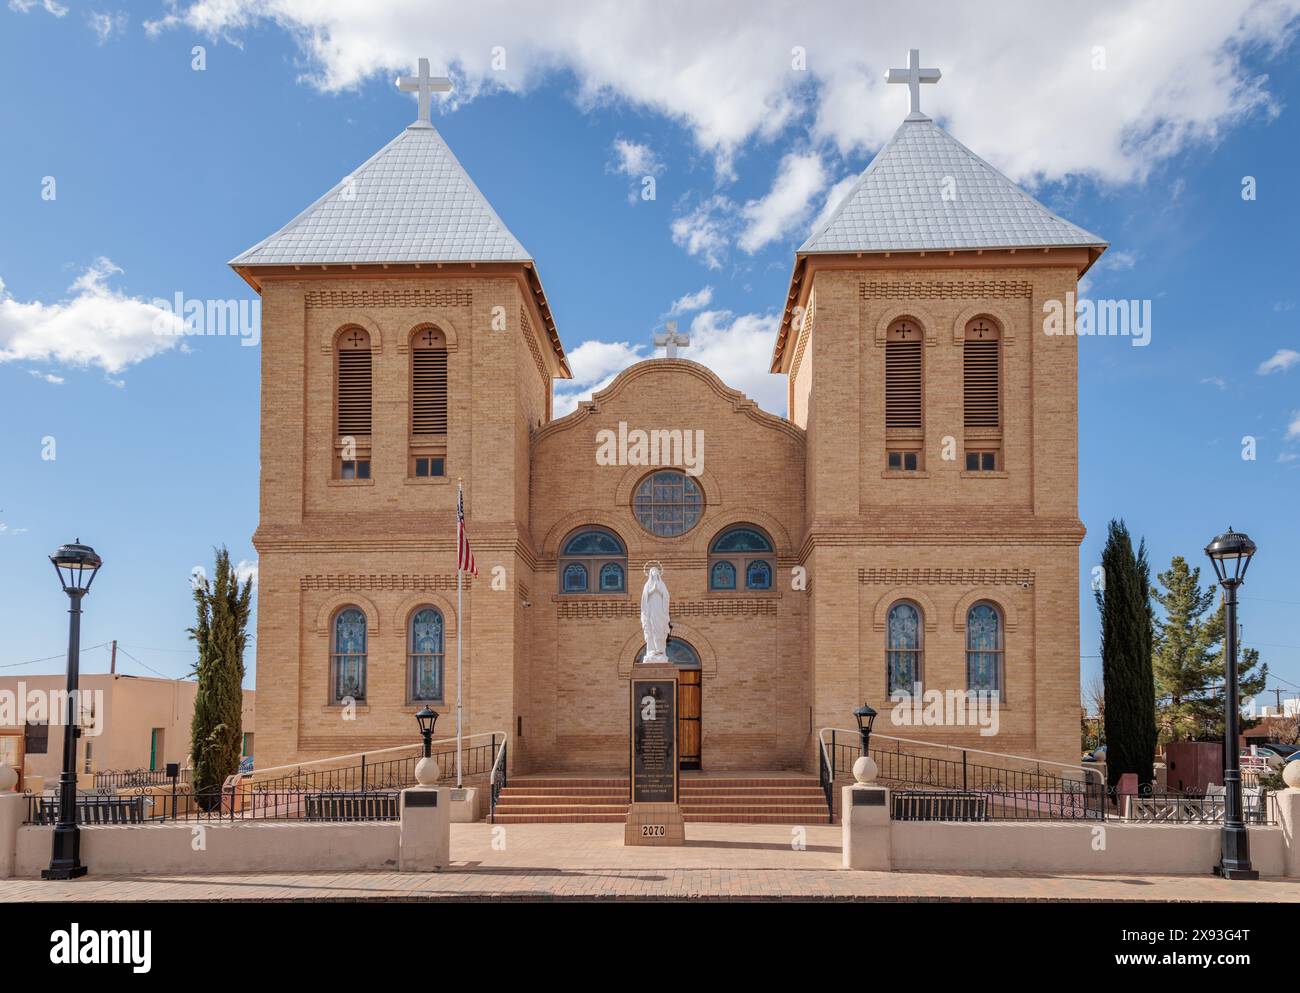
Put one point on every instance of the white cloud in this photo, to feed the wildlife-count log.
(705, 230)
(5, 529)
(49, 6)
(106, 25)
(1216, 381)
(246, 570)
(692, 301)
(1175, 72)
(799, 178)
(737, 348)
(47, 377)
(635, 160)
(95, 326)
(1281, 361)
(1293, 429)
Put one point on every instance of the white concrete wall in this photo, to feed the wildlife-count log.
(157, 849)
(1143, 849)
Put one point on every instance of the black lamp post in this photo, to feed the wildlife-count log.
(427, 718)
(76, 565)
(1231, 552)
(866, 717)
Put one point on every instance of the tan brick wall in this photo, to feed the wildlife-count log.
(778, 665)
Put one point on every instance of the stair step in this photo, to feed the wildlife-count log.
(791, 819)
(756, 808)
(755, 791)
(515, 792)
(508, 818)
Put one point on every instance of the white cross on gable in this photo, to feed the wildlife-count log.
(425, 85)
(670, 340)
(913, 76)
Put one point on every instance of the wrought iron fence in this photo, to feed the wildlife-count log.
(1180, 808)
(1088, 803)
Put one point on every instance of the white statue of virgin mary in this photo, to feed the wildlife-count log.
(654, 616)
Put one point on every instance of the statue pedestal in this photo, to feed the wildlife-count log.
(654, 817)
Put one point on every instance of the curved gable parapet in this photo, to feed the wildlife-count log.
(738, 401)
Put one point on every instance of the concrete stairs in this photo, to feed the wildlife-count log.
(744, 798)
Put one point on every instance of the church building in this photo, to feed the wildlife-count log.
(910, 521)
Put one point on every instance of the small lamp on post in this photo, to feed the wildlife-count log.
(76, 565)
(427, 717)
(1231, 553)
(866, 716)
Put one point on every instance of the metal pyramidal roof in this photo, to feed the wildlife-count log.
(926, 191)
(411, 202)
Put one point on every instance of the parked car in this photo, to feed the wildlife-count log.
(1276, 755)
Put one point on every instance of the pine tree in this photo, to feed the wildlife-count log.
(223, 609)
(1126, 632)
(1188, 660)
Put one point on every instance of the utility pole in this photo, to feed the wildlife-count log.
(112, 662)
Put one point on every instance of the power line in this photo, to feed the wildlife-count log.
(48, 658)
(141, 664)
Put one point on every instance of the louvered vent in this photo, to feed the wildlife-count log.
(981, 384)
(354, 391)
(903, 384)
(429, 391)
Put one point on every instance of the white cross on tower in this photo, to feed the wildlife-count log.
(913, 76)
(670, 340)
(425, 85)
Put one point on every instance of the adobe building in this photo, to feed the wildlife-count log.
(129, 723)
(913, 518)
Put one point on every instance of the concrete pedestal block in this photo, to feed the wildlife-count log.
(13, 809)
(654, 824)
(1288, 815)
(465, 805)
(865, 819)
(426, 829)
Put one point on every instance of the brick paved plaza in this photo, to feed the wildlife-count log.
(590, 862)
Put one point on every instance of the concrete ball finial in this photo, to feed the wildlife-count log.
(865, 770)
(1291, 775)
(427, 772)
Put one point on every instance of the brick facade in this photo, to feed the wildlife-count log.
(776, 665)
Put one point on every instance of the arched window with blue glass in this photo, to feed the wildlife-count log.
(904, 648)
(984, 649)
(680, 652)
(425, 655)
(742, 552)
(593, 560)
(348, 656)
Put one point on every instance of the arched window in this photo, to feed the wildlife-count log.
(668, 503)
(984, 651)
(904, 648)
(982, 395)
(425, 655)
(428, 457)
(348, 656)
(904, 397)
(352, 409)
(593, 552)
(680, 652)
(742, 550)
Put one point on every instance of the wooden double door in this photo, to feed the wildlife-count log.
(688, 718)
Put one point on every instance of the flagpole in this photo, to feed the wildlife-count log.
(459, 622)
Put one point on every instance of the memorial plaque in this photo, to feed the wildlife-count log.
(654, 740)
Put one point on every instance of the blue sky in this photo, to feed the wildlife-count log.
(1141, 129)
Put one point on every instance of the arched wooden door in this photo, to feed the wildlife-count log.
(688, 718)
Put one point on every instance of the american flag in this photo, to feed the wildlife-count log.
(464, 557)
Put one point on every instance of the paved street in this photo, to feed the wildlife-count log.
(590, 862)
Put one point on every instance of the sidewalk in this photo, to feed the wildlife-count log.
(528, 862)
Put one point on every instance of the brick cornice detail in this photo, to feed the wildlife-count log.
(946, 577)
(584, 610)
(412, 297)
(349, 582)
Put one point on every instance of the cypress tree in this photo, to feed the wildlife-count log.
(221, 633)
(1126, 643)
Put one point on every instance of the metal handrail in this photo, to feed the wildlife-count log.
(498, 767)
(960, 748)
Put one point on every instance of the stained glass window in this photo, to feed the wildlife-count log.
(722, 576)
(904, 651)
(984, 648)
(425, 659)
(668, 503)
(593, 553)
(759, 575)
(732, 555)
(349, 656)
